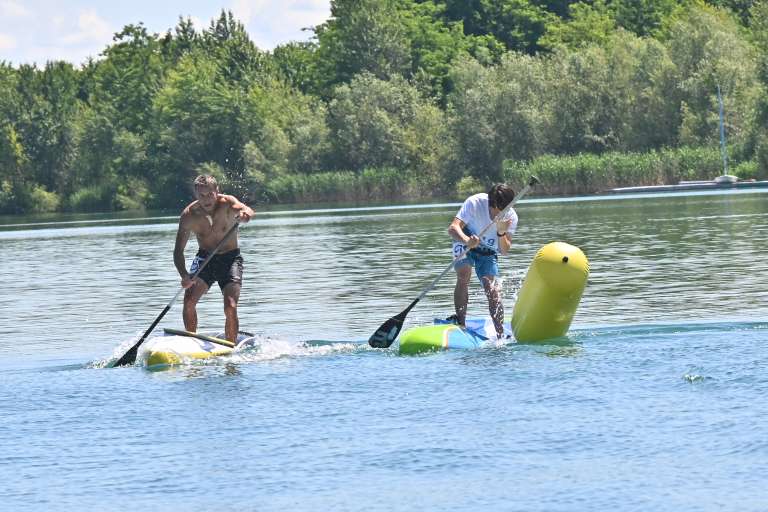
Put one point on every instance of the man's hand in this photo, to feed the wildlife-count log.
(472, 242)
(244, 216)
(187, 282)
(503, 225)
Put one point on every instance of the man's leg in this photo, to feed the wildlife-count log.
(495, 306)
(191, 297)
(461, 292)
(232, 323)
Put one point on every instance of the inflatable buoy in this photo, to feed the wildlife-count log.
(550, 293)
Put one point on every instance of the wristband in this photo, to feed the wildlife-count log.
(501, 234)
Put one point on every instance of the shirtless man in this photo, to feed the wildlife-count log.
(210, 217)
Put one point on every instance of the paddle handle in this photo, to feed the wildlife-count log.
(533, 181)
(130, 356)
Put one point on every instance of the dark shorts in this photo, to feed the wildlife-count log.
(225, 268)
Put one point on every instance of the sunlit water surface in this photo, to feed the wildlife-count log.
(656, 401)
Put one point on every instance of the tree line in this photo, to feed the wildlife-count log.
(392, 99)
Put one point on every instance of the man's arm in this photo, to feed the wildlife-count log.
(505, 239)
(242, 211)
(182, 237)
(456, 231)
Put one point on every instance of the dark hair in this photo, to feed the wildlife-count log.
(500, 195)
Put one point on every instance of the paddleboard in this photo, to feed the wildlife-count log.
(177, 346)
(444, 335)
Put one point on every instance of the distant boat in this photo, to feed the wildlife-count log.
(726, 181)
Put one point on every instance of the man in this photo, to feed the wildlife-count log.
(210, 218)
(477, 212)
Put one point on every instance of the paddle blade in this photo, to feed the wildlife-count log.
(387, 333)
(128, 358)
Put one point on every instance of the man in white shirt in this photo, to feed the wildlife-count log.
(475, 214)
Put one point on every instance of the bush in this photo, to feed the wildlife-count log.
(133, 196)
(370, 184)
(97, 198)
(7, 198)
(746, 170)
(467, 186)
(588, 173)
(42, 201)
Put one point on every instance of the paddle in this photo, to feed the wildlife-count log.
(211, 339)
(130, 356)
(387, 333)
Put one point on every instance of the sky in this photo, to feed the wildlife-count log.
(36, 31)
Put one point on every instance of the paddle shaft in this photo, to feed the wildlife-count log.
(130, 356)
(500, 215)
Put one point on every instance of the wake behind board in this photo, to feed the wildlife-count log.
(177, 346)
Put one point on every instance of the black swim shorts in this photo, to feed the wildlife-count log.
(225, 268)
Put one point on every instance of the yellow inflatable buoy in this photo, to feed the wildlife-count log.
(550, 293)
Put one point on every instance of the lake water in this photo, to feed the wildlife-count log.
(656, 402)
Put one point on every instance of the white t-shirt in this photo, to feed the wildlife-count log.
(474, 213)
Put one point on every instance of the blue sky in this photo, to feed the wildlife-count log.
(35, 31)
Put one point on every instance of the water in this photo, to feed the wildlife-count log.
(656, 401)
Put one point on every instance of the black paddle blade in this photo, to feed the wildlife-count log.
(128, 358)
(387, 333)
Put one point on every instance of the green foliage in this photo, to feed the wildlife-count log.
(126, 81)
(132, 195)
(95, 198)
(517, 24)
(41, 200)
(237, 58)
(708, 50)
(642, 17)
(747, 170)
(363, 36)
(498, 114)
(296, 63)
(589, 173)
(410, 98)
(588, 24)
(383, 123)
(368, 185)
(469, 185)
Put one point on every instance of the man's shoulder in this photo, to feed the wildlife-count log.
(189, 213)
(475, 201)
(189, 209)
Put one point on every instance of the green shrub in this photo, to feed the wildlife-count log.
(133, 196)
(97, 198)
(745, 170)
(7, 198)
(588, 173)
(469, 185)
(42, 201)
(370, 184)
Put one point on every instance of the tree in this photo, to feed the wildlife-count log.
(498, 114)
(384, 123)
(128, 78)
(708, 50)
(588, 24)
(238, 59)
(517, 24)
(363, 36)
